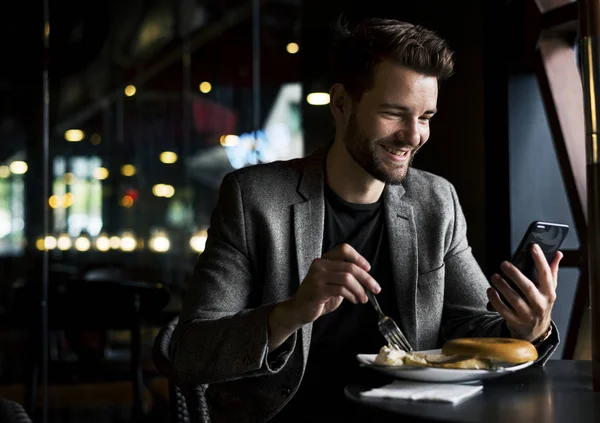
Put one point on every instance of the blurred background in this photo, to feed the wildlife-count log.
(106, 192)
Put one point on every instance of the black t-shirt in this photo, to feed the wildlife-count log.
(351, 329)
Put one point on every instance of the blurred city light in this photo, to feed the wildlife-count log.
(292, 48)
(128, 170)
(198, 241)
(205, 87)
(74, 135)
(318, 99)
(168, 157)
(101, 173)
(130, 90)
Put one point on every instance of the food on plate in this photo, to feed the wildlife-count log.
(464, 353)
(390, 356)
(508, 350)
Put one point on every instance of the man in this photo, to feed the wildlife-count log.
(277, 308)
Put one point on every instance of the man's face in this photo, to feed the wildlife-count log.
(391, 122)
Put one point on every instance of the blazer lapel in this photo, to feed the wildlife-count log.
(309, 222)
(402, 235)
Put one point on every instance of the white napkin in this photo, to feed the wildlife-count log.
(421, 391)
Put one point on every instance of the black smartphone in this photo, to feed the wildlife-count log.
(549, 236)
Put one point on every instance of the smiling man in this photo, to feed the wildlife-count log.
(277, 308)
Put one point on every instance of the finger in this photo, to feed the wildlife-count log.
(502, 308)
(520, 307)
(349, 282)
(545, 280)
(554, 266)
(365, 279)
(345, 252)
(333, 290)
(522, 283)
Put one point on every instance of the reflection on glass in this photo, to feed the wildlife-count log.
(76, 199)
(12, 201)
(148, 178)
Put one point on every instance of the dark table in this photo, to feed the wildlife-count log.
(559, 392)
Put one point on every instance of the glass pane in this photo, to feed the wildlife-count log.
(151, 104)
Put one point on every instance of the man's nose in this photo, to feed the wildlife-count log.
(409, 133)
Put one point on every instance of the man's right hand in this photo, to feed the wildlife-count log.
(341, 273)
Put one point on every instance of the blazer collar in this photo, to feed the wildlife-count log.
(309, 222)
(402, 236)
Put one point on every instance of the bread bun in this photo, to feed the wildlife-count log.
(502, 349)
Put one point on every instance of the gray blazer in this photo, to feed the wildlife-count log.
(265, 231)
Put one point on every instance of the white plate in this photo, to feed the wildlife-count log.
(437, 374)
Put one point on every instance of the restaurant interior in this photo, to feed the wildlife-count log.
(119, 120)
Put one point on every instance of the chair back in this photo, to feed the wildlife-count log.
(188, 405)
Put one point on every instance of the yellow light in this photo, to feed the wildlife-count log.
(101, 173)
(4, 172)
(168, 157)
(198, 241)
(130, 90)
(50, 243)
(74, 135)
(205, 87)
(318, 99)
(69, 178)
(163, 190)
(95, 139)
(67, 200)
(18, 167)
(55, 201)
(128, 242)
(229, 140)
(160, 243)
(128, 170)
(127, 201)
(64, 242)
(102, 243)
(114, 242)
(292, 48)
(82, 244)
(39, 244)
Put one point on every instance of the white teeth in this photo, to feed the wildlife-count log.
(395, 152)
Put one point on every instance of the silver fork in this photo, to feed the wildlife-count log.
(388, 328)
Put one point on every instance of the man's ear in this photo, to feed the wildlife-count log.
(339, 102)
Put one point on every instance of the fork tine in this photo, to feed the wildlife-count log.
(399, 340)
(395, 330)
(398, 333)
(391, 341)
(394, 340)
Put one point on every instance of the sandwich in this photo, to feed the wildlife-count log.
(464, 353)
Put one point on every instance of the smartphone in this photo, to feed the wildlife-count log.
(549, 236)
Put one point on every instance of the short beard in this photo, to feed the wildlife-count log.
(360, 148)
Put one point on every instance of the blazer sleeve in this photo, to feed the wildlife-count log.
(219, 336)
(465, 313)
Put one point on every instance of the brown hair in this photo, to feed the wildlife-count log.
(358, 52)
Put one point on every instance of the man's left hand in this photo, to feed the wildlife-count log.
(529, 317)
